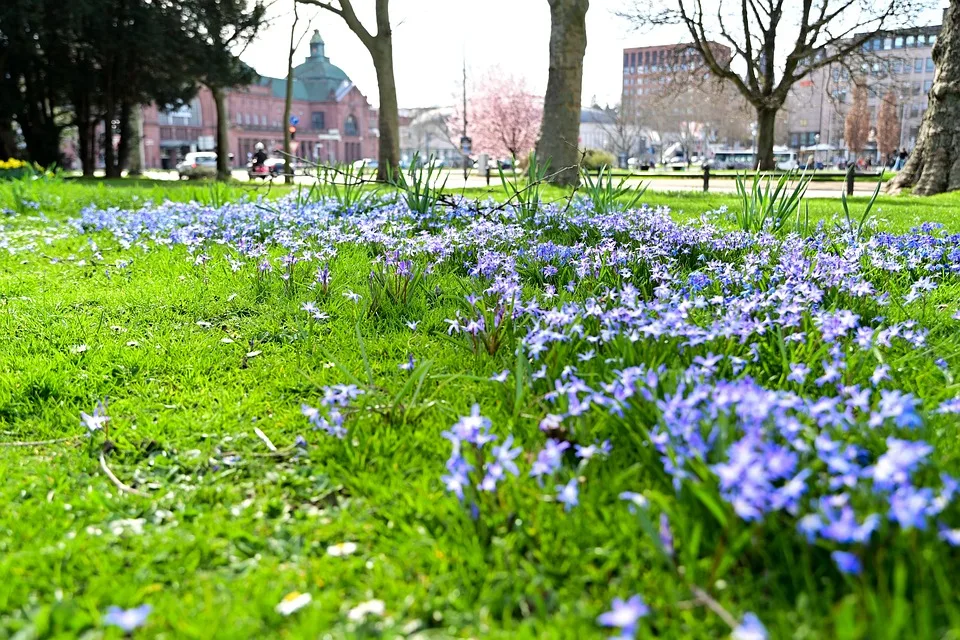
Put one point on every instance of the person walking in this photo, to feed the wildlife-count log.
(901, 160)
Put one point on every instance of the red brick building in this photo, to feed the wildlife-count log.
(336, 124)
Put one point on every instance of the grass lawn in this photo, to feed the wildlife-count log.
(290, 397)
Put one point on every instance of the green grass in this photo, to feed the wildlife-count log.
(191, 359)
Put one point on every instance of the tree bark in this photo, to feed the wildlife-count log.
(8, 142)
(766, 132)
(934, 165)
(288, 99)
(135, 160)
(388, 118)
(223, 141)
(560, 130)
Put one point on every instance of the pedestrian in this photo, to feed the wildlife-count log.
(901, 160)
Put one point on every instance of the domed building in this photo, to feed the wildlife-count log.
(335, 121)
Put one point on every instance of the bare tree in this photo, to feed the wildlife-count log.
(380, 46)
(623, 130)
(888, 126)
(934, 165)
(287, 135)
(856, 126)
(776, 42)
(561, 105)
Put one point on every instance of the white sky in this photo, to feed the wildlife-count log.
(430, 38)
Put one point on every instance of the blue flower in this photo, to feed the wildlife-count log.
(127, 619)
(750, 628)
(624, 615)
(568, 494)
(847, 562)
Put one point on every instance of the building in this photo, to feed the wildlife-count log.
(900, 62)
(427, 134)
(670, 96)
(336, 123)
(646, 70)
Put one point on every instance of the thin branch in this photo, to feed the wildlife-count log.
(37, 443)
(116, 481)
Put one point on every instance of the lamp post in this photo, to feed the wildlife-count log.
(903, 115)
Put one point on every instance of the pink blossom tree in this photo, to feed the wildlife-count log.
(503, 115)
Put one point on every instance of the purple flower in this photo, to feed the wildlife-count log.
(127, 619)
(568, 494)
(798, 373)
(847, 562)
(666, 535)
(879, 374)
(409, 364)
(500, 377)
(549, 459)
(96, 421)
(750, 628)
(624, 615)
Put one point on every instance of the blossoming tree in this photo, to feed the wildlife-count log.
(503, 115)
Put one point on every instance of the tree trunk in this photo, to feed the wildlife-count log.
(389, 122)
(223, 141)
(934, 165)
(560, 130)
(8, 141)
(287, 154)
(766, 131)
(135, 159)
(123, 144)
(109, 155)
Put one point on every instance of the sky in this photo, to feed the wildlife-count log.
(431, 39)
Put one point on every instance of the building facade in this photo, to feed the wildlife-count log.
(336, 123)
(898, 64)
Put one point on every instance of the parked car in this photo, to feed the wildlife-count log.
(366, 164)
(198, 164)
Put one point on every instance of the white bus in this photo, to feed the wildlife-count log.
(786, 159)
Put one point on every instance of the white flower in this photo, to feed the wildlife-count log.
(78, 348)
(362, 610)
(342, 549)
(292, 602)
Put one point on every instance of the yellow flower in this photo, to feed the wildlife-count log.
(12, 163)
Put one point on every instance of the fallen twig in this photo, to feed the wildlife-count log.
(703, 597)
(117, 481)
(266, 440)
(37, 443)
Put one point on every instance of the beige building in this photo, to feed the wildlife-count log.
(899, 61)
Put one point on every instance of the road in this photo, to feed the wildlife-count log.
(656, 183)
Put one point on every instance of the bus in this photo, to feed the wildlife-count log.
(786, 159)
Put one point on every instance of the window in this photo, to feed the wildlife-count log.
(918, 65)
(910, 41)
(929, 64)
(921, 40)
(246, 118)
(239, 118)
(888, 43)
(794, 140)
(350, 126)
(898, 66)
(927, 84)
(898, 42)
(932, 40)
(916, 89)
(914, 110)
(877, 43)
